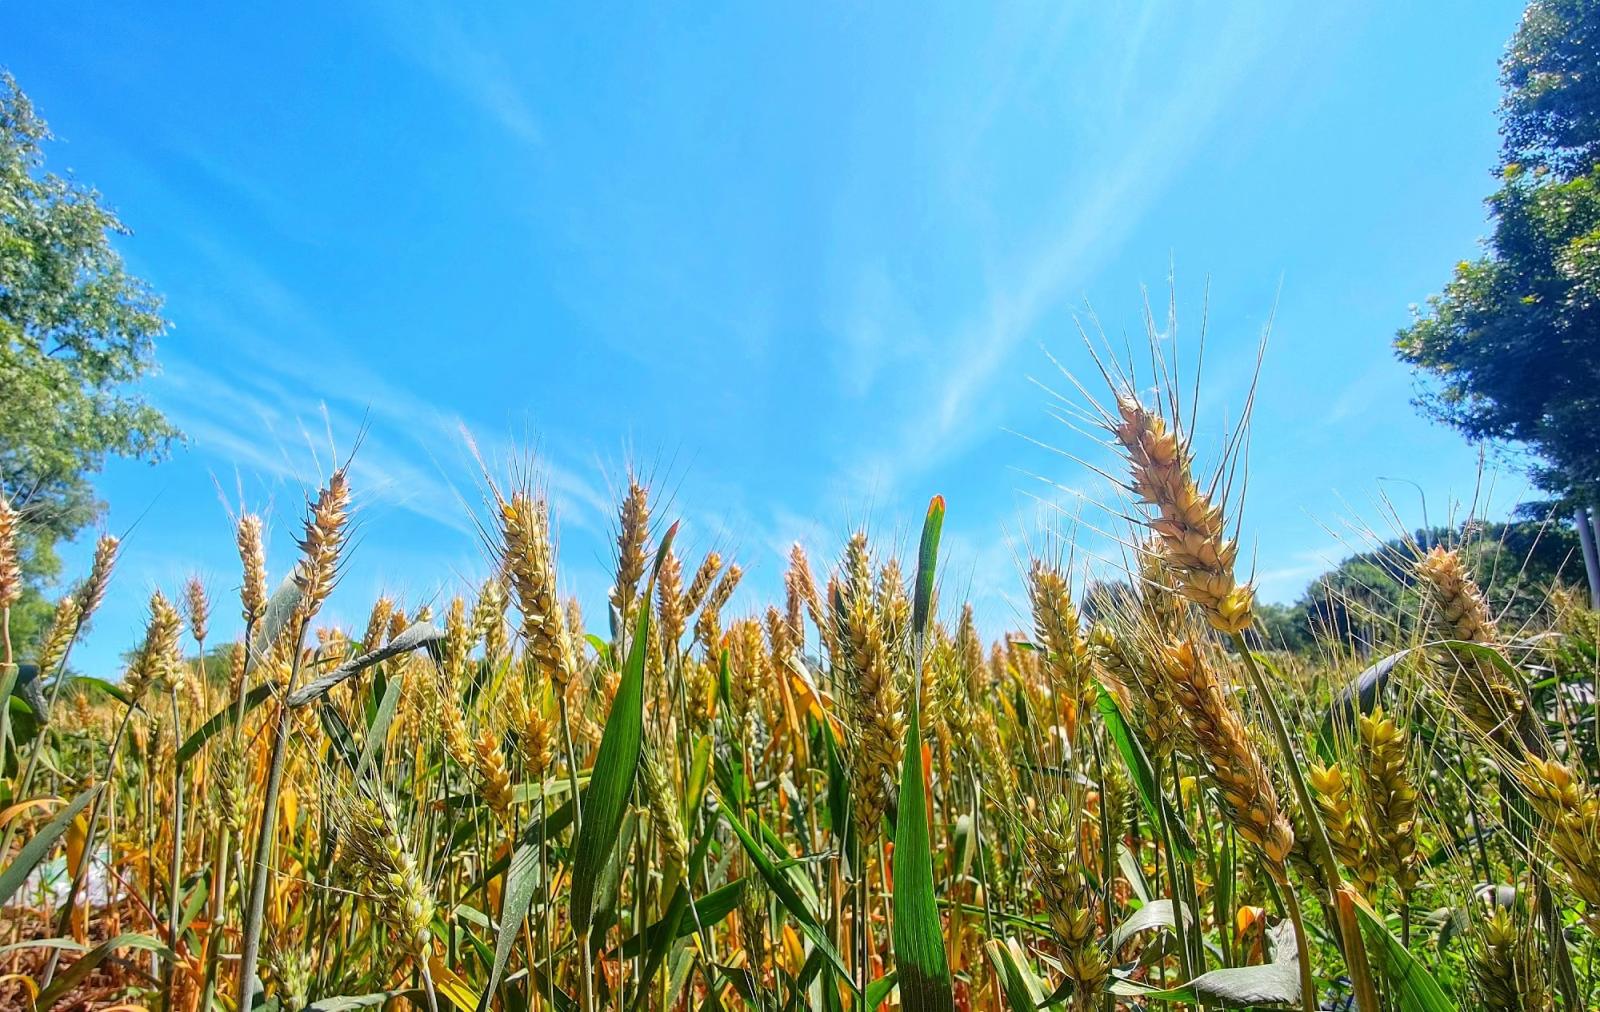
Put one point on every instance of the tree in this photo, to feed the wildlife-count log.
(76, 330)
(1550, 116)
(1510, 351)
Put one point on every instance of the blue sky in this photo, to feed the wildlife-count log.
(802, 264)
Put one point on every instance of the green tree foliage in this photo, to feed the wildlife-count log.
(1550, 116)
(76, 329)
(1512, 346)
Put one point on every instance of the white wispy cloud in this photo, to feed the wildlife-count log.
(284, 407)
(1285, 582)
(464, 55)
(877, 328)
(1382, 378)
(1133, 160)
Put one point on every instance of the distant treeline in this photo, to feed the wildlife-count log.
(1371, 599)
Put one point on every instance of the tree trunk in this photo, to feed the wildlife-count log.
(1588, 534)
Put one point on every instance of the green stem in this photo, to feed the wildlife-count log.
(224, 850)
(175, 866)
(577, 828)
(261, 868)
(1308, 986)
(82, 871)
(46, 732)
(1178, 925)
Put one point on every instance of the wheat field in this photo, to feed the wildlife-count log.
(849, 799)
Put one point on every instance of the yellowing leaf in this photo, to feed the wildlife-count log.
(794, 954)
(26, 981)
(22, 806)
(77, 843)
(812, 698)
(449, 983)
(1247, 918)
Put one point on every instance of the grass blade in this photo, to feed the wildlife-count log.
(611, 781)
(1018, 983)
(378, 729)
(1142, 773)
(784, 889)
(36, 849)
(351, 1002)
(709, 910)
(1155, 914)
(927, 566)
(878, 990)
(101, 685)
(1358, 696)
(1274, 983)
(77, 972)
(922, 969)
(919, 956)
(521, 879)
(1410, 983)
(414, 637)
(223, 718)
(615, 767)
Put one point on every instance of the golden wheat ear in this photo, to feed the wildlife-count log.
(92, 592)
(1569, 812)
(321, 544)
(633, 531)
(1348, 832)
(1186, 522)
(58, 634)
(530, 567)
(10, 563)
(1249, 800)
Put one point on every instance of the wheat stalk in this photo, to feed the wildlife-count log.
(320, 545)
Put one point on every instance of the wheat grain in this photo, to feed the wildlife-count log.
(1505, 973)
(525, 532)
(10, 564)
(494, 779)
(1070, 902)
(1348, 832)
(1391, 797)
(63, 625)
(700, 586)
(1230, 756)
(1188, 525)
(198, 607)
(389, 870)
(663, 804)
(1569, 813)
(321, 544)
(670, 615)
(92, 592)
(252, 557)
(708, 627)
(873, 695)
(633, 529)
(1477, 687)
